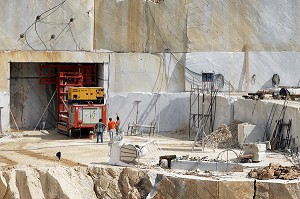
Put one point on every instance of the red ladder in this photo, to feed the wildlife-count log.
(66, 80)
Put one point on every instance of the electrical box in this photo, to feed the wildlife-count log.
(82, 117)
(83, 114)
(207, 76)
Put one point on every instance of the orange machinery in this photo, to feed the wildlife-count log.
(78, 115)
(81, 117)
(82, 114)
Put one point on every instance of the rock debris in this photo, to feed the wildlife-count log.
(226, 136)
(275, 171)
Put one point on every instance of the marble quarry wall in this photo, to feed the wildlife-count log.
(143, 72)
(47, 25)
(143, 26)
(169, 112)
(229, 25)
(262, 66)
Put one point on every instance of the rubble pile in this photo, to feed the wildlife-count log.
(226, 136)
(275, 171)
(200, 173)
(157, 1)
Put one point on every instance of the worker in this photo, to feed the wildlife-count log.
(100, 128)
(118, 131)
(117, 126)
(111, 127)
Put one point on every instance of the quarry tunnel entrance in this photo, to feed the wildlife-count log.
(33, 96)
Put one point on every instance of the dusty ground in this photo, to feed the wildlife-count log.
(38, 148)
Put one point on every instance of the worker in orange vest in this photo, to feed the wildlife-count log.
(111, 126)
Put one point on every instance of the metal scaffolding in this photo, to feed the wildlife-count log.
(202, 117)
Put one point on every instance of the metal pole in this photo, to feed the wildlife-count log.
(158, 123)
(157, 117)
(198, 100)
(137, 110)
(1, 119)
(229, 88)
(45, 110)
(190, 112)
(202, 119)
(13, 118)
(246, 67)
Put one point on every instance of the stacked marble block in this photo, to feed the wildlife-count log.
(249, 139)
(257, 150)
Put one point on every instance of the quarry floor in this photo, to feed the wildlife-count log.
(38, 149)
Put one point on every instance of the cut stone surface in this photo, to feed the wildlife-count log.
(249, 133)
(118, 182)
(171, 187)
(28, 184)
(257, 150)
(206, 166)
(236, 189)
(257, 156)
(3, 185)
(60, 182)
(275, 190)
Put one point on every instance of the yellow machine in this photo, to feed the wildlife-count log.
(86, 94)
